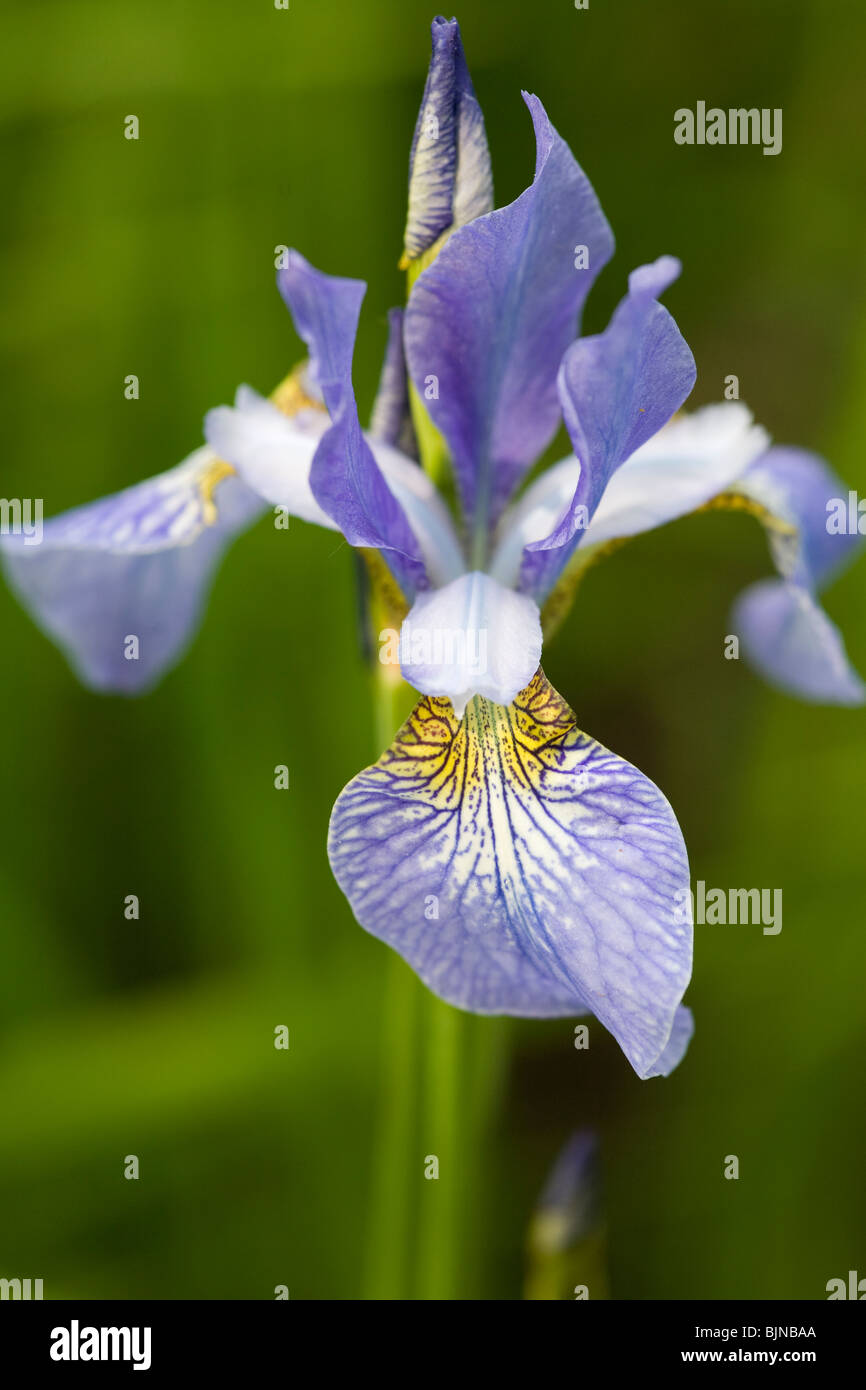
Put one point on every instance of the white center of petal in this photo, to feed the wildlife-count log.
(472, 637)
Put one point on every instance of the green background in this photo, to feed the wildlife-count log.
(260, 127)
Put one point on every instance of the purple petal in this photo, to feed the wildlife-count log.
(345, 478)
(681, 468)
(450, 181)
(617, 390)
(488, 322)
(797, 488)
(391, 420)
(786, 634)
(521, 868)
(138, 564)
(789, 639)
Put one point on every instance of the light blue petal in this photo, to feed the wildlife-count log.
(617, 390)
(135, 565)
(786, 634)
(488, 322)
(521, 868)
(789, 639)
(795, 487)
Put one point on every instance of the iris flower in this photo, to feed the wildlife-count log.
(515, 863)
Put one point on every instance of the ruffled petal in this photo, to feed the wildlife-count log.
(488, 322)
(472, 637)
(450, 180)
(135, 565)
(345, 478)
(521, 868)
(791, 642)
(617, 390)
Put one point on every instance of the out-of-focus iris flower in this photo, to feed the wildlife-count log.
(566, 1237)
(516, 864)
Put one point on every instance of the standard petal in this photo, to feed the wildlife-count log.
(391, 420)
(488, 322)
(135, 565)
(271, 452)
(521, 868)
(450, 180)
(789, 639)
(617, 389)
(345, 479)
(472, 637)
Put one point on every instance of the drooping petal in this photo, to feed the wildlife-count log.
(617, 389)
(791, 642)
(795, 487)
(450, 180)
(472, 637)
(345, 479)
(135, 565)
(521, 868)
(391, 420)
(785, 633)
(488, 322)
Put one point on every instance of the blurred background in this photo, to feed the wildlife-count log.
(259, 127)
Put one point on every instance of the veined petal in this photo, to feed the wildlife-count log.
(450, 180)
(521, 868)
(489, 320)
(791, 642)
(345, 479)
(472, 637)
(135, 565)
(272, 453)
(617, 390)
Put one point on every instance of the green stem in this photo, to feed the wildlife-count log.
(426, 1212)
(387, 1270)
(443, 1195)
